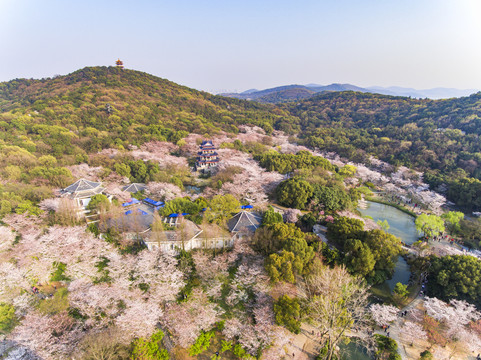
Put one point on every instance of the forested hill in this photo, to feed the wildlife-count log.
(441, 137)
(98, 107)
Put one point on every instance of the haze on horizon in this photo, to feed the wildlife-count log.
(221, 46)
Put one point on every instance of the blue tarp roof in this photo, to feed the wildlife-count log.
(177, 215)
(138, 210)
(152, 202)
(133, 201)
(247, 207)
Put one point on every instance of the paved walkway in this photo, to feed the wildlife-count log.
(395, 327)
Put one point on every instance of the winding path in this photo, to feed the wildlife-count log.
(395, 328)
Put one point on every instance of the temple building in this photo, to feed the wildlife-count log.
(187, 236)
(244, 223)
(82, 191)
(207, 156)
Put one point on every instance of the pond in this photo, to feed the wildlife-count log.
(402, 226)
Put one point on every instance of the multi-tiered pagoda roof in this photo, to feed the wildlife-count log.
(207, 155)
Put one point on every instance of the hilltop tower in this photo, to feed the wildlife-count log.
(119, 64)
(207, 156)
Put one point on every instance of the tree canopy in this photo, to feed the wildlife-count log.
(369, 253)
(456, 276)
(430, 225)
(294, 193)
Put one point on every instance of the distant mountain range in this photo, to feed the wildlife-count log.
(298, 92)
(435, 93)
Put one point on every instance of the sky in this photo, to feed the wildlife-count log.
(235, 45)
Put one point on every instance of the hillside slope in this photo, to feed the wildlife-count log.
(103, 107)
(97, 107)
(438, 136)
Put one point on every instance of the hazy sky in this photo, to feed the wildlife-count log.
(233, 45)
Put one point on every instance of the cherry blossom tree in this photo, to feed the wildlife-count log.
(187, 319)
(457, 315)
(85, 171)
(383, 314)
(164, 191)
(457, 318)
(50, 204)
(253, 184)
(140, 318)
(212, 272)
(281, 346)
(13, 280)
(49, 336)
(160, 152)
(131, 296)
(412, 332)
(291, 215)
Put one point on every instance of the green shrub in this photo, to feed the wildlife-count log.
(241, 353)
(102, 269)
(202, 343)
(7, 317)
(387, 347)
(287, 313)
(426, 355)
(271, 217)
(98, 201)
(149, 349)
(94, 229)
(58, 273)
(401, 290)
(226, 346)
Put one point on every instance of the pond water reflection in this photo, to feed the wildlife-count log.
(402, 226)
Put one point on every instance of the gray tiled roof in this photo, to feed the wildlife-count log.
(82, 185)
(82, 189)
(244, 221)
(134, 187)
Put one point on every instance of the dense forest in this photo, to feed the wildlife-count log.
(440, 137)
(98, 107)
(101, 107)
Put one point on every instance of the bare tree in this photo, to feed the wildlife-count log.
(158, 232)
(181, 231)
(67, 212)
(103, 346)
(337, 303)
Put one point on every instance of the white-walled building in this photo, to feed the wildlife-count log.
(82, 191)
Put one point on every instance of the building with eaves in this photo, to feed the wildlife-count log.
(82, 191)
(207, 157)
(244, 223)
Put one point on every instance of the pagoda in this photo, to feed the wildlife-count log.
(207, 156)
(119, 63)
